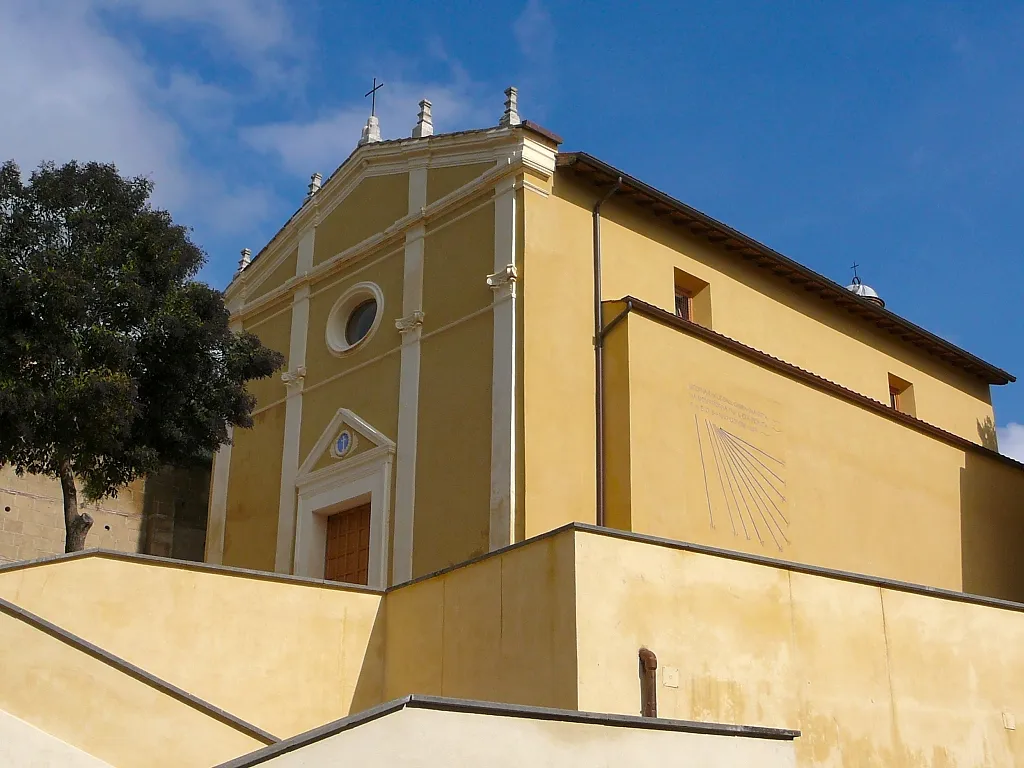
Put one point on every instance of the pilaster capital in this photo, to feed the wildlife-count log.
(503, 282)
(410, 322)
(294, 380)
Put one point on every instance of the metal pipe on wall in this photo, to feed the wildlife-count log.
(598, 355)
(648, 683)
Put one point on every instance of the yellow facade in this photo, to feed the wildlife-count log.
(798, 550)
(768, 452)
(458, 372)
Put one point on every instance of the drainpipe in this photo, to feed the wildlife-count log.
(648, 683)
(598, 354)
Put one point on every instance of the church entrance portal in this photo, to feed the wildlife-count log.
(347, 554)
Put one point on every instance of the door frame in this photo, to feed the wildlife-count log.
(348, 483)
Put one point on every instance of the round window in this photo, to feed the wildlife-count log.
(354, 318)
(360, 321)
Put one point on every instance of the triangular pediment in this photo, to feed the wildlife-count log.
(346, 438)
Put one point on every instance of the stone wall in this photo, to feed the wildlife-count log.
(164, 514)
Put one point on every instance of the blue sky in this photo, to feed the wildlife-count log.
(887, 133)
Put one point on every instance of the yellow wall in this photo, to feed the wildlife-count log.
(556, 301)
(273, 326)
(458, 256)
(383, 268)
(553, 622)
(787, 470)
(285, 657)
(277, 276)
(498, 630)
(370, 392)
(374, 205)
(445, 180)
(103, 711)
(254, 487)
(991, 527)
(617, 444)
(869, 676)
(640, 254)
(453, 456)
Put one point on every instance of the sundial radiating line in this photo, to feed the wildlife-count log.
(738, 493)
(746, 459)
(703, 469)
(762, 482)
(753, 462)
(724, 469)
(740, 442)
(732, 487)
(756, 492)
(759, 467)
(745, 486)
(732, 520)
(780, 462)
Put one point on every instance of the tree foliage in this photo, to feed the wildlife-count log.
(114, 360)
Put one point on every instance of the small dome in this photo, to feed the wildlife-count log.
(865, 291)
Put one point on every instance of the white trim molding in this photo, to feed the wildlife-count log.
(365, 477)
(218, 503)
(294, 380)
(502, 505)
(510, 150)
(380, 159)
(217, 518)
(410, 325)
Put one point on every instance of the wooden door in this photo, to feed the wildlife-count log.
(347, 556)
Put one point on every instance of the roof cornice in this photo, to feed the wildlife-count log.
(659, 315)
(394, 156)
(397, 152)
(746, 248)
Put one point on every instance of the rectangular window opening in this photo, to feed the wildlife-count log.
(692, 299)
(901, 395)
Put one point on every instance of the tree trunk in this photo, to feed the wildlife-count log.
(76, 525)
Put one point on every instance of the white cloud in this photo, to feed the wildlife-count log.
(323, 143)
(1011, 440)
(247, 26)
(535, 32)
(75, 91)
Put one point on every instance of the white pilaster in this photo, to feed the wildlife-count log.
(411, 326)
(503, 426)
(218, 504)
(218, 515)
(293, 379)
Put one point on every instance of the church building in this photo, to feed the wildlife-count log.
(435, 299)
(555, 459)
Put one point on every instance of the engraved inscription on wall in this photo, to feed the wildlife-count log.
(743, 464)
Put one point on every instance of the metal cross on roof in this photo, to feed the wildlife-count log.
(854, 268)
(372, 93)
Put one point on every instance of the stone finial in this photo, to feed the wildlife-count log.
(371, 131)
(425, 122)
(511, 116)
(315, 183)
(246, 259)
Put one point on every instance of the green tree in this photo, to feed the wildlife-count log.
(114, 360)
